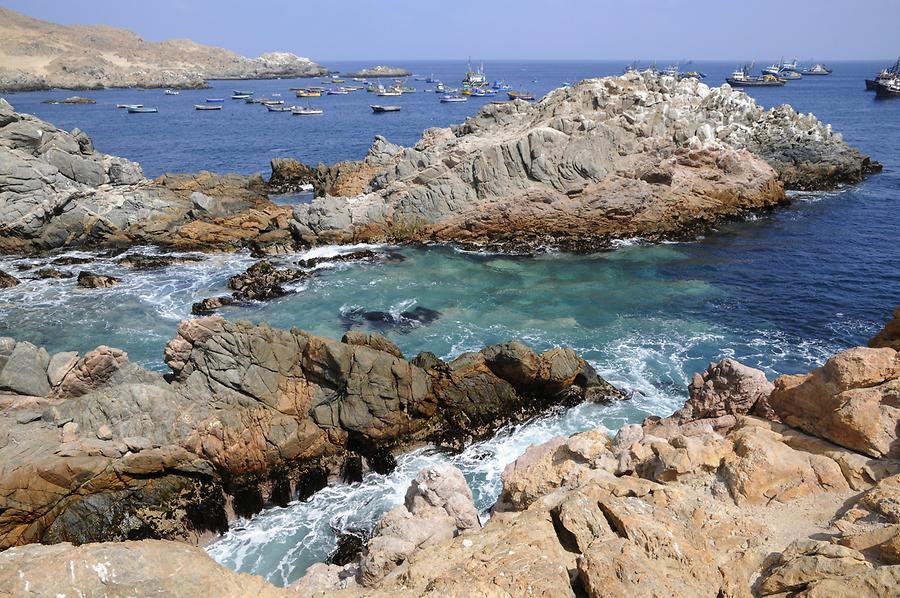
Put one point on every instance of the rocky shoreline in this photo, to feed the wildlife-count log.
(751, 489)
(39, 55)
(96, 448)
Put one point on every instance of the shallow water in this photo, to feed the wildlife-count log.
(781, 292)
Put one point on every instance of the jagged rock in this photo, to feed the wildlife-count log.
(725, 390)
(209, 305)
(23, 368)
(149, 262)
(89, 280)
(52, 273)
(262, 281)
(373, 340)
(851, 401)
(889, 336)
(639, 155)
(248, 412)
(7, 280)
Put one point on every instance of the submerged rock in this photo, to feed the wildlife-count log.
(7, 280)
(149, 262)
(262, 281)
(404, 322)
(90, 280)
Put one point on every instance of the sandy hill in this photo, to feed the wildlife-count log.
(38, 54)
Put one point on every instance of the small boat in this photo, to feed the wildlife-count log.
(278, 108)
(240, 96)
(409, 90)
(271, 102)
(338, 80)
(888, 88)
(389, 93)
(276, 95)
(306, 111)
(338, 92)
(207, 107)
(252, 100)
(501, 85)
(242, 92)
(171, 92)
(129, 105)
(141, 110)
(379, 108)
(306, 93)
(817, 69)
(789, 75)
(451, 99)
(520, 95)
(214, 100)
(440, 88)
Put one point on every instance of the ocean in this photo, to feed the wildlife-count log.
(781, 291)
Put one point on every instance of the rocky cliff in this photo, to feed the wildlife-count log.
(639, 155)
(95, 448)
(56, 190)
(716, 500)
(37, 54)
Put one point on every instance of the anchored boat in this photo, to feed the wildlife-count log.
(741, 78)
(379, 108)
(207, 107)
(889, 88)
(276, 108)
(171, 92)
(450, 99)
(129, 105)
(242, 92)
(306, 111)
(884, 75)
(817, 69)
(141, 110)
(520, 95)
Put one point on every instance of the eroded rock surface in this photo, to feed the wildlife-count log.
(639, 155)
(96, 448)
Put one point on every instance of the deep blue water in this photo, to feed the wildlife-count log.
(781, 291)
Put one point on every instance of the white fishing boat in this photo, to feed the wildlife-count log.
(389, 93)
(129, 105)
(240, 96)
(452, 99)
(274, 108)
(379, 108)
(141, 110)
(207, 106)
(306, 111)
(171, 92)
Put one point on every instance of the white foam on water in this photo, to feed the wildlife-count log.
(326, 251)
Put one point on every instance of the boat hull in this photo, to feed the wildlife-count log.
(737, 83)
(887, 91)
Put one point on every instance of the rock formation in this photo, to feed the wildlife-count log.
(765, 509)
(639, 155)
(379, 71)
(95, 448)
(40, 55)
(56, 190)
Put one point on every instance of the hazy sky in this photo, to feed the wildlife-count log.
(529, 29)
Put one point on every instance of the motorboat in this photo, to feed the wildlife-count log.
(141, 110)
(377, 108)
(450, 99)
(279, 108)
(242, 92)
(741, 78)
(390, 93)
(306, 111)
(214, 100)
(240, 96)
(129, 105)
(520, 95)
(271, 102)
(171, 92)
(308, 93)
(207, 107)
(338, 92)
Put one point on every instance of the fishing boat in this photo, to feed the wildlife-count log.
(337, 81)
(693, 75)
(474, 77)
(129, 105)
(377, 108)
(520, 95)
(409, 89)
(214, 100)
(885, 75)
(501, 85)
(741, 78)
(306, 93)
(171, 92)
(141, 110)
(279, 108)
(452, 99)
(240, 96)
(252, 100)
(390, 93)
(888, 88)
(271, 102)
(338, 92)
(817, 69)
(242, 92)
(207, 107)
(306, 111)
(440, 88)
(789, 75)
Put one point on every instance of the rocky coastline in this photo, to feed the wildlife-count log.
(96, 448)
(751, 489)
(39, 55)
(635, 156)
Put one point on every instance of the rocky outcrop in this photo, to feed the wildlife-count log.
(7, 280)
(889, 336)
(72, 100)
(639, 155)
(40, 55)
(852, 400)
(379, 71)
(89, 280)
(248, 416)
(57, 191)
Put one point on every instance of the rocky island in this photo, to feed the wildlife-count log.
(38, 54)
(751, 489)
(379, 71)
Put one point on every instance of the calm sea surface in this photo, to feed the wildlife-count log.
(780, 292)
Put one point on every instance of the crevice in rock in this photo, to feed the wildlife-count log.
(614, 522)
(566, 538)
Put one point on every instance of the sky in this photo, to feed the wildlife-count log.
(377, 30)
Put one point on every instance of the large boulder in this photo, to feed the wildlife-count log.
(851, 400)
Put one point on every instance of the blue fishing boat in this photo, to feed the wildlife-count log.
(213, 100)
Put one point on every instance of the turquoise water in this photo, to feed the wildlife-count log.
(781, 292)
